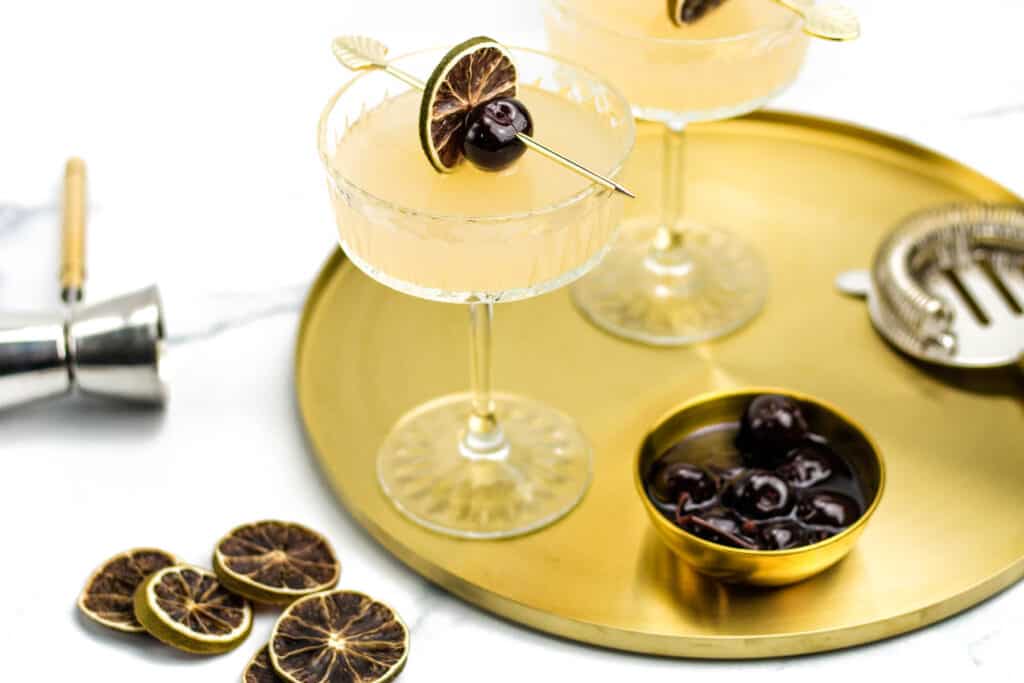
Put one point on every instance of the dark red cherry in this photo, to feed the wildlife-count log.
(718, 526)
(694, 10)
(782, 535)
(808, 465)
(491, 128)
(673, 479)
(771, 427)
(826, 508)
(759, 495)
(727, 471)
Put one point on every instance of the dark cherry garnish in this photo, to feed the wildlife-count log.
(808, 465)
(675, 479)
(826, 508)
(771, 427)
(759, 494)
(491, 128)
(692, 11)
(720, 527)
(783, 535)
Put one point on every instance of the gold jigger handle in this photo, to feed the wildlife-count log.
(72, 253)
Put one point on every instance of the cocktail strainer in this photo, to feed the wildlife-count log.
(947, 286)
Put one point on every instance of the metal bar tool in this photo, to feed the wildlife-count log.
(947, 286)
(110, 349)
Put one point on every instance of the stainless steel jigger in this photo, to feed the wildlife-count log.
(111, 349)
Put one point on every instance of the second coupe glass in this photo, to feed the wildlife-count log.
(677, 281)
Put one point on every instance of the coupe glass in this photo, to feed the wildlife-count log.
(481, 464)
(677, 281)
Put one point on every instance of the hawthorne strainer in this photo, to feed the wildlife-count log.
(947, 286)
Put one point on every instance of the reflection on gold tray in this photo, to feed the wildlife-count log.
(815, 197)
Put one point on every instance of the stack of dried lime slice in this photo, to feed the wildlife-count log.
(324, 634)
(150, 590)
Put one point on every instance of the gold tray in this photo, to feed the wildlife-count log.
(815, 196)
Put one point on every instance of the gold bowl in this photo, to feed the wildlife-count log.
(760, 567)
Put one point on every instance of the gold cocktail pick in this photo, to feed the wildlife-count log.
(828, 20)
(359, 52)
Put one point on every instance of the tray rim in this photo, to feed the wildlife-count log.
(725, 647)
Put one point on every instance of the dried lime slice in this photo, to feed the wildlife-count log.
(109, 592)
(339, 636)
(259, 669)
(690, 11)
(275, 562)
(188, 608)
(473, 72)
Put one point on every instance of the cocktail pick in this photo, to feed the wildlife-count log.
(828, 20)
(358, 53)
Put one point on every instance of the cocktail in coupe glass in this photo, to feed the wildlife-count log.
(677, 282)
(479, 464)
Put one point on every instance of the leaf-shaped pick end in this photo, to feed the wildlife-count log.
(360, 52)
(832, 21)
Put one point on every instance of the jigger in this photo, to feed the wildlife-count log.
(110, 349)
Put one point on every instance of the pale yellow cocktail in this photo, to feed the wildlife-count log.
(468, 251)
(735, 58)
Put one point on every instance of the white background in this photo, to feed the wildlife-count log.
(197, 120)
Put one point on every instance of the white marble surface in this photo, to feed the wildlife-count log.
(197, 121)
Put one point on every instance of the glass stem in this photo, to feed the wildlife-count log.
(668, 253)
(484, 438)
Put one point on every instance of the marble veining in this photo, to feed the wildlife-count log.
(214, 313)
(998, 112)
(15, 216)
(207, 166)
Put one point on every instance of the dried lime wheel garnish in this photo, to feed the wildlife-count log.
(339, 636)
(275, 562)
(259, 669)
(472, 73)
(109, 593)
(188, 608)
(690, 11)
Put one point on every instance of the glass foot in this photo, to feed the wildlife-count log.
(711, 286)
(529, 479)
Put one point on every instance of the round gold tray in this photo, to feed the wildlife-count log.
(815, 196)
